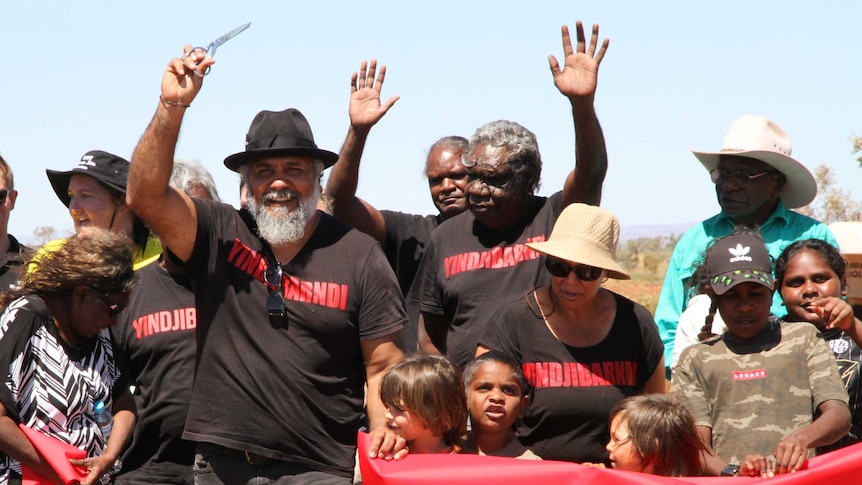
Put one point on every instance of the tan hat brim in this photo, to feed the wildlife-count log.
(581, 251)
(800, 189)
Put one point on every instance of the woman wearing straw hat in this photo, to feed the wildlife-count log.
(583, 348)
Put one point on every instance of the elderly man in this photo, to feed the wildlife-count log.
(478, 260)
(756, 182)
(296, 311)
(12, 252)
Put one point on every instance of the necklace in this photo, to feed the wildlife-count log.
(546, 315)
(541, 310)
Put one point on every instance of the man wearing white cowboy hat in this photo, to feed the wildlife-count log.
(757, 182)
(296, 311)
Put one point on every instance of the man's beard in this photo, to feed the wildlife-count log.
(279, 225)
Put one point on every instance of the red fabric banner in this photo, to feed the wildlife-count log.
(842, 466)
(57, 454)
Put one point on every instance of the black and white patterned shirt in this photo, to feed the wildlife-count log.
(49, 385)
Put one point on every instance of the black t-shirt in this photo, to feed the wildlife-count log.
(848, 356)
(155, 336)
(575, 388)
(407, 236)
(293, 393)
(470, 270)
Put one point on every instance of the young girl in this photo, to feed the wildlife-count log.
(497, 394)
(756, 389)
(655, 434)
(425, 404)
(811, 278)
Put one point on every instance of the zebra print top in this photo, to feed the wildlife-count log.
(49, 385)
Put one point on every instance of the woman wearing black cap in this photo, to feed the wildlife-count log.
(95, 193)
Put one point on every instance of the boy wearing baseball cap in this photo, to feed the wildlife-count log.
(755, 390)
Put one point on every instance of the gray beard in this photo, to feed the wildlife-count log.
(279, 225)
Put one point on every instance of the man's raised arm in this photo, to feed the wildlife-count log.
(168, 212)
(578, 81)
(365, 111)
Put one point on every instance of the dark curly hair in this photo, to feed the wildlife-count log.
(828, 252)
(99, 259)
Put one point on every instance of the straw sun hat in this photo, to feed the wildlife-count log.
(585, 234)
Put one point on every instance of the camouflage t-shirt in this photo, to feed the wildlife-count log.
(754, 393)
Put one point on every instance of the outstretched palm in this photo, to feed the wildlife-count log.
(579, 76)
(365, 106)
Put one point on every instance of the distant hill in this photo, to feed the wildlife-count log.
(634, 232)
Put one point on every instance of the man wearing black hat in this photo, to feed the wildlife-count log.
(296, 311)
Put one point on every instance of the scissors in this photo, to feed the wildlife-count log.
(210, 49)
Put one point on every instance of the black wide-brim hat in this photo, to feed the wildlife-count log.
(278, 133)
(110, 170)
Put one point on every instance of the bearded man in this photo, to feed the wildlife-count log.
(296, 311)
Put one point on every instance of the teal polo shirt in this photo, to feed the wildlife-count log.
(782, 228)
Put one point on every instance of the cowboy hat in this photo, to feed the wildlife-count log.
(585, 234)
(277, 133)
(759, 138)
(110, 170)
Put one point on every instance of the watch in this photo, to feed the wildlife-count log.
(729, 471)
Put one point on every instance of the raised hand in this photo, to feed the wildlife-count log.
(180, 85)
(365, 106)
(579, 76)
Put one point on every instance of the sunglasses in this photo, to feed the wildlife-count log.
(3, 194)
(561, 269)
(275, 300)
(738, 177)
(114, 309)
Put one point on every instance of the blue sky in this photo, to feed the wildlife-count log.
(79, 76)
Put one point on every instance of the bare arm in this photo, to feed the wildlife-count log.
(380, 354)
(432, 333)
(578, 81)
(365, 111)
(832, 423)
(15, 444)
(712, 464)
(124, 423)
(168, 212)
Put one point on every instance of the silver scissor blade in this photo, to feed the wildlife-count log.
(226, 37)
